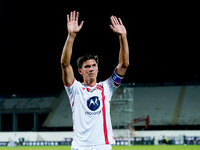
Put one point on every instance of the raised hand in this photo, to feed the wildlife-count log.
(117, 26)
(72, 23)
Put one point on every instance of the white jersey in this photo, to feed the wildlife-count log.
(91, 112)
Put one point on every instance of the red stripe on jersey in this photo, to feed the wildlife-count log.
(104, 118)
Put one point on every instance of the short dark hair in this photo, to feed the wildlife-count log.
(86, 57)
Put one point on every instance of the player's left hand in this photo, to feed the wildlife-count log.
(117, 26)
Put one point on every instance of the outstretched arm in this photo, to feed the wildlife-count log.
(118, 28)
(73, 28)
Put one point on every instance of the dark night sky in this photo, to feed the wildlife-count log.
(162, 41)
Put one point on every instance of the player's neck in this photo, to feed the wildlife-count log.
(90, 82)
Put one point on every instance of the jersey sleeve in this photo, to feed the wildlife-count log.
(113, 82)
(72, 90)
(112, 86)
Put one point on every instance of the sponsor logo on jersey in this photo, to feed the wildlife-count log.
(93, 103)
(92, 113)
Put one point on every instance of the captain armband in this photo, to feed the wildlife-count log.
(116, 78)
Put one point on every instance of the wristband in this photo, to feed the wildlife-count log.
(117, 79)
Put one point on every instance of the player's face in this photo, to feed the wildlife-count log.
(89, 70)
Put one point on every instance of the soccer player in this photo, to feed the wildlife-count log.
(90, 101)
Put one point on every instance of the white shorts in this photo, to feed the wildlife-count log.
(92, 147)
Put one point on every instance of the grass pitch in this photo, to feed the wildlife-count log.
(162, 147)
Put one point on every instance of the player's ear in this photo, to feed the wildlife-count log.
(80, 71)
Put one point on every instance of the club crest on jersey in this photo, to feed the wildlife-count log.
(93, 103)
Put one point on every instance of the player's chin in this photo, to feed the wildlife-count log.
(92, 79)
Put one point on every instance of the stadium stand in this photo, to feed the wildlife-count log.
(14, 110)
(157, 102)
(189, 114)
(61, 115)
(31, 104)
(165, 105)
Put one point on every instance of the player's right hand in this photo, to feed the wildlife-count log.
(72, 22)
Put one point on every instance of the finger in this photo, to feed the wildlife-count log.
(116, 21)
(77, 15)
(71, 16)
(112, 20)
(74, 16)
(81, 24)
(113, 29)
(67, 18)
(120, 21)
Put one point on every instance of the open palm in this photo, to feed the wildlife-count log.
(72, 23)
(117, 26)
